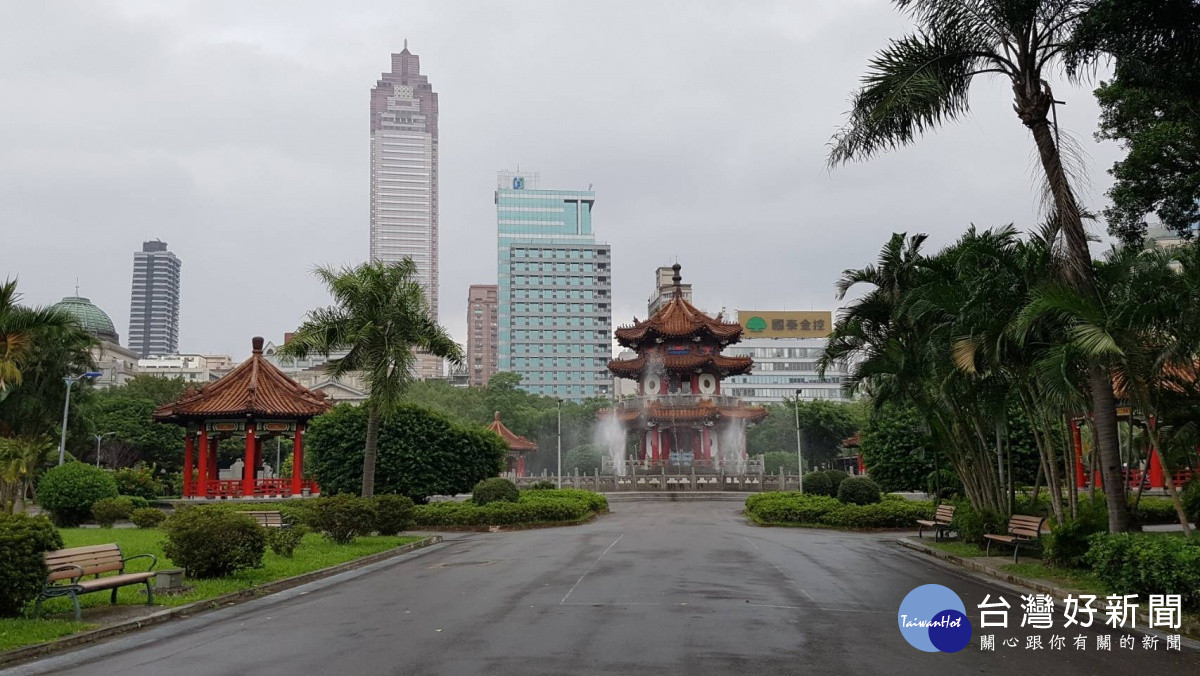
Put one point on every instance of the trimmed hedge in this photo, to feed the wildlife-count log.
(212, 542)
(820, 510)
(1147, 563)
(69, 491)
(859, 491)
(532, 507)
(393, 513)
(342, 517)
(495, 489)
(137, 481)
(23, 540)
(818, 483)
(108, 511)
(147, 517)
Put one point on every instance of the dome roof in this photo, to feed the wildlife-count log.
(91, 318)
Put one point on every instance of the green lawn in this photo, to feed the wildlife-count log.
(1063, 577)
(16, 632)
(955, 547)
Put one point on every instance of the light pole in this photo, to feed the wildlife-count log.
(799, 453)
(560, 443)
(62, 442)
(98, 438)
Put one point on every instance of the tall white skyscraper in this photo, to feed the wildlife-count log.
(404, 177)
(154, 304)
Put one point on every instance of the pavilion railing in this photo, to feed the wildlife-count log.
(263, 488)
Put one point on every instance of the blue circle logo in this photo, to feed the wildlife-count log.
(932, 618)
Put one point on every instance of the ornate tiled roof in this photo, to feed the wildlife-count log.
(679, 319)
(515, 441)
(255, 388)
(727, 366)
(661, 412)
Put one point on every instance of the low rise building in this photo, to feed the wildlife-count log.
(786, 348)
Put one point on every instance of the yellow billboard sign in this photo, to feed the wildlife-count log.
(772, 324)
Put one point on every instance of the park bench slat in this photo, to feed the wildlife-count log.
(76, 563)
(1023, 530)
(942, 522)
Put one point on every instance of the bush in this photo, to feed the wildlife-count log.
(808, 509)
(973, 524)
(942, 484)
(542, 486)
(890, 514)
(213, 542)
(23, 540)
(1155, 511)
(495, 489)
(137, 501)
(534, 507)
(593, 501)
(283, 541)
(778, 507)
(108, 511)
(1191, 500)
(69, 491)
(818, 483)
(775, 460)
(858, 491)
(342, 517)
(1067, 544)
(836, 477)
(393, 513)
(586, 459)
(1145, 563)
(147, 517)
(137, 481)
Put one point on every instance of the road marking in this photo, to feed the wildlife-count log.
(585, 573)
(751, 543)
(781, 574)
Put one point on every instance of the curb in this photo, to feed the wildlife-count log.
(23, 654)
(1187, 628)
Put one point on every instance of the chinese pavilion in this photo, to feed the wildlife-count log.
(254, 401)
(518, 446)
(679, 415)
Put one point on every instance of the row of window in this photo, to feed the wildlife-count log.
(539, 252)
(557, 294)
(559, 280)
(568, 348)
(779, 393)
(535, 334)
(772, 380)
(559, 307)
(560, 362)
(565, 376)
(558, 267)
(524, 322)
(776, 352)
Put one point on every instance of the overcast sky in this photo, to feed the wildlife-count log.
(238, 132)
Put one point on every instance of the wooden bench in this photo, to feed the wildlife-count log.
(269, 519)
(942, 522)
(75, 563)
(1023, 530)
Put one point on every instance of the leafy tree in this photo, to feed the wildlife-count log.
(382, 316)
(823, 427)
(586, 459)
(421, 453)
(21, 462)
(19, 327)
(135, 435)
(897, 450)
(157, 389)
(922, 80)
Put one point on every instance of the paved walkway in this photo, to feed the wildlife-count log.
(655, 587)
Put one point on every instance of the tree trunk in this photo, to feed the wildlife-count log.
(1033, 101)
(370, 452)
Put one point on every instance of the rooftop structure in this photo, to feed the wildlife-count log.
(518, 446)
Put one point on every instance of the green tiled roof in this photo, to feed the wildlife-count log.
(91, 318)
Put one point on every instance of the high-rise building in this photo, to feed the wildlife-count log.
(664, 290)
(483, 341)
(404, 178)
(555, 289)
(785, 347)
(154, 309)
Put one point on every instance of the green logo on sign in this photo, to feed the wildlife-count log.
(756, 324)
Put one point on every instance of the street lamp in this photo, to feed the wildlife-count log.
(98, 438)
(62, 442)
(799, 453)
(560, 443)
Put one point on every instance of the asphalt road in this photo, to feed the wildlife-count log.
(665, 588)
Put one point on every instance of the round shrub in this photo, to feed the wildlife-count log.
(69, 491)
(212, 542)
(836, 477)
(108, 511)
(1147, 563)
(137, 501)
(137, 481)
(147, 517)
(972, 524)
(393, 513)
(341, 517)
(542, 485)
(283, 541)
(790, 507)
(858, 490)
(818, 483)
(23, 540)
(495, 489)
(1191, 500)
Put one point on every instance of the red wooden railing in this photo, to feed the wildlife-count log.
(263, 488)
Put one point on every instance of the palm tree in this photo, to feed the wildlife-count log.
(17, 328)
(381, 317)
(21, 460)
(923, 80)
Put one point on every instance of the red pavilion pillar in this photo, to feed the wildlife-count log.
(188, 449)
(298, 460)
(249, 460)
(1077, 443)
(201, 489)
(214, 471)
(520, 464)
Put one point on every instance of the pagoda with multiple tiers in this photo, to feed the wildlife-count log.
(679, 416)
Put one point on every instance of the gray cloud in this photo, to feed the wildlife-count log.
(237, 132)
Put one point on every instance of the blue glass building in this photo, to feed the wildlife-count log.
(555, 289)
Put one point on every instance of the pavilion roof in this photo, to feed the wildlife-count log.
(515, 441)
(679, 319)
(726, 366)
(255, 388)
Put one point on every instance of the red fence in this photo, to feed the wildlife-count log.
(263, 488)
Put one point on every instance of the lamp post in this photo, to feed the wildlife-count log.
(62, 442)
(799, 453)
(560, 443)
(98, 438)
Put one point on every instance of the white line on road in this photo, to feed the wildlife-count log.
(585, 573)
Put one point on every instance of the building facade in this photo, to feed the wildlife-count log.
(554, 289)
(154, 307)
(664, 290)
(785, 347)
(196, 369)
(118, 365)
(483, 340)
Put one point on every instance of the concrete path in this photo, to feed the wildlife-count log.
(655, 587)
